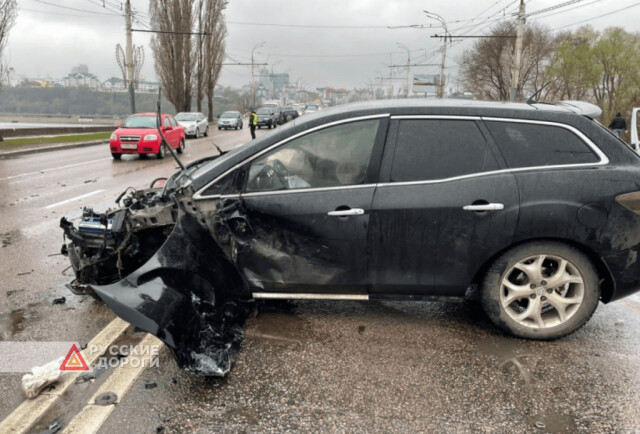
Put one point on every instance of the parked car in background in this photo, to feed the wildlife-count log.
(267, 117)
(230, 119)
(138, 134)
(195, 124)
(279, 115)
(289, 113)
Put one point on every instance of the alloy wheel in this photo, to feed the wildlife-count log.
(542, 291)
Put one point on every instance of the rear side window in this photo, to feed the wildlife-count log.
(431, 149)
(530, 145)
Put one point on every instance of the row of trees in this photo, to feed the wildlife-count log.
(8, 14)
(601, 67)
(189, 48)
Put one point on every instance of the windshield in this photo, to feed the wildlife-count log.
(186, 117)
(263, 111)
(148, 121)
(227, 115)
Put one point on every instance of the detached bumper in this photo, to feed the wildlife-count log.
(189, 296)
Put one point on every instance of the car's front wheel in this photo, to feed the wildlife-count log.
(162, 152)
(541, 290)
(181, 147)
(206, 131)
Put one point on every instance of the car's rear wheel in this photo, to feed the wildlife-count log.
(541, 290)
(116, 156)
(162, 152)
(181, 147)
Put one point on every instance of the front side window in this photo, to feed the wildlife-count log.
(530, 145)
(432, 149)
(167, 122)
(332, 157)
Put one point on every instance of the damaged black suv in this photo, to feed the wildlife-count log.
(537, 205)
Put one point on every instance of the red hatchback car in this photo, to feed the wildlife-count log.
(139, 135)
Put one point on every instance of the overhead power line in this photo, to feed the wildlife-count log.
(599, 16)
(551, 8)
(71, 9)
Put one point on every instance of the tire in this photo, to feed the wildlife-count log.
(197, 136)
(530, 270)
(181, 147)
(116, 156)
(162, 152)
(236, 128)
(241, 125)
(206, 131)
(219, 128)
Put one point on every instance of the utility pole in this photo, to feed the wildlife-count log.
(129, 60)
(406, 85)
(253, 80)
(444, 50)
(515, 85)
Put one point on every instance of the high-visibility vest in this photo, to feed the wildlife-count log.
(254, 119)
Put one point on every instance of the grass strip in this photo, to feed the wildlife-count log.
(55, 139)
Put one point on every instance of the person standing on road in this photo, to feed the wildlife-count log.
(253, 121)
(618, 125)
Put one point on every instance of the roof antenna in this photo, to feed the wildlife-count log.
(159, 128)
(531, 99)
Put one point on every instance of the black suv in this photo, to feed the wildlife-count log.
(537, 205)
(267, 117)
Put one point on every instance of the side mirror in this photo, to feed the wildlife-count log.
(168, 128)
(117, 126)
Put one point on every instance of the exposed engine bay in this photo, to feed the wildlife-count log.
(155, 263)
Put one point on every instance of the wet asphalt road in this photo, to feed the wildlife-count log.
(314, 366)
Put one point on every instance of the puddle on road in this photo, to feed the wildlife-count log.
(552, 423)
(9, 238)
(12, 323)
(513, 356)
(278, 321)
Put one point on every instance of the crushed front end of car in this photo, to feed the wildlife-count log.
(155, 264)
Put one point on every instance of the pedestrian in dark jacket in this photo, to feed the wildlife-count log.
(618, 125)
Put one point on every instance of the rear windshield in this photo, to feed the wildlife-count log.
(139, 122)
(186, 117)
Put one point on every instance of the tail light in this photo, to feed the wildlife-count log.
(630, 201)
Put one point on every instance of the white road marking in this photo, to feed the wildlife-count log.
(54, 168)
(82, 196)
(91, 417)
(31, 410)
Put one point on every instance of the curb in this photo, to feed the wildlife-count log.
(48, 148)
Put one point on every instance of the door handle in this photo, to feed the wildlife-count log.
(346, 212)
(484, 207)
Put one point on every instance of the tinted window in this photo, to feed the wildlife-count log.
(174, 123)
(429, 149)
(528, 145)
(330, 157)
(223, 186)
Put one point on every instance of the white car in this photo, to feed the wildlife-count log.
(195, 124)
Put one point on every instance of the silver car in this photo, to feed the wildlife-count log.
(230, 119)
(195, 124)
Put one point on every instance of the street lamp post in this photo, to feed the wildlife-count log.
(253, 81)
(444, 49)
(406, 86)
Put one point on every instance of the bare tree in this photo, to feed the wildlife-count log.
(210, 50)
(487, 68)
(8, 14)
(174, 63)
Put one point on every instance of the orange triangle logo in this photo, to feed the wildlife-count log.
(74, 361)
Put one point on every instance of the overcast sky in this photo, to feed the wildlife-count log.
(49, 38)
